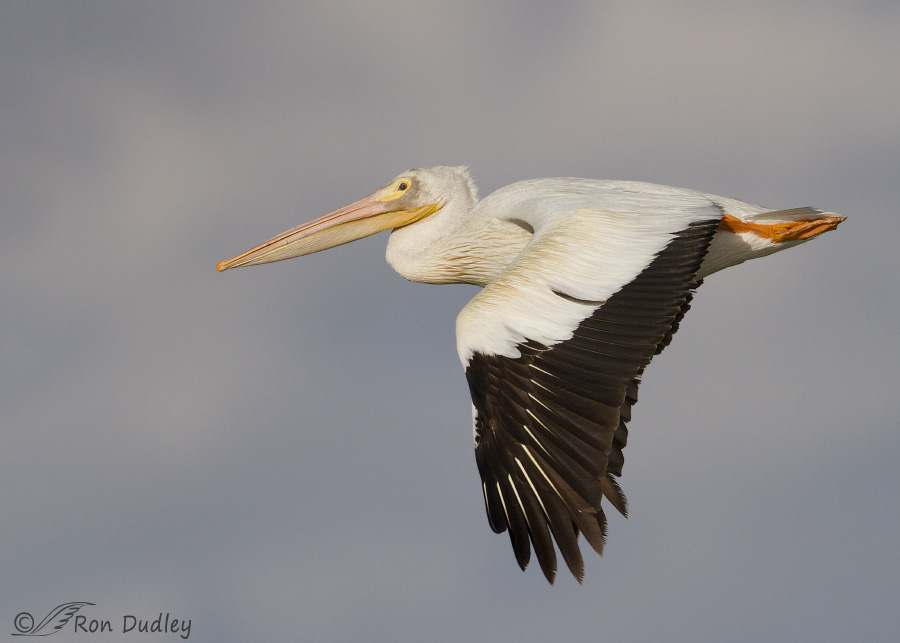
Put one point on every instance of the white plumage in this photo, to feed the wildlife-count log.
(590, 238)
(584, 281)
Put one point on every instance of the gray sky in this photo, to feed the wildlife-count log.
(284, 452)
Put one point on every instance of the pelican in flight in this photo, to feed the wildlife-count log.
(583, 281)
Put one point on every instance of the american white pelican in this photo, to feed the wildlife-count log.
(584, 282)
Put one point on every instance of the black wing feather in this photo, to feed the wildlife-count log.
(550, 425)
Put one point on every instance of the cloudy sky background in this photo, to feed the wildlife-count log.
(284, 452)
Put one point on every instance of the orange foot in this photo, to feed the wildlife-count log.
(784, 231)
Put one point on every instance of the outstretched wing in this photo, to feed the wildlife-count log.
(553, 352)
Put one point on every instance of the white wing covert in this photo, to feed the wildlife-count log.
(554, 348)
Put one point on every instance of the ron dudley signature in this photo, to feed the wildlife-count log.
(60, 616)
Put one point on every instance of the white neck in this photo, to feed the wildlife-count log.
(452, 246)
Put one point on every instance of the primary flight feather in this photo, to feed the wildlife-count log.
(584, 281)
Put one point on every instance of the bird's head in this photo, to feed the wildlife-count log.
(409, 198)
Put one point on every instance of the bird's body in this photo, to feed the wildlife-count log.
(583, 283)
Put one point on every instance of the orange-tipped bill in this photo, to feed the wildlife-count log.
(355, 221)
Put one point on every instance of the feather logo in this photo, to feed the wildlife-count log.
(52, 623)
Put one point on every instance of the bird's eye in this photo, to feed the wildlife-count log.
(403, 186)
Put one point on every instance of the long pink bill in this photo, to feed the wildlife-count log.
(352, 222)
